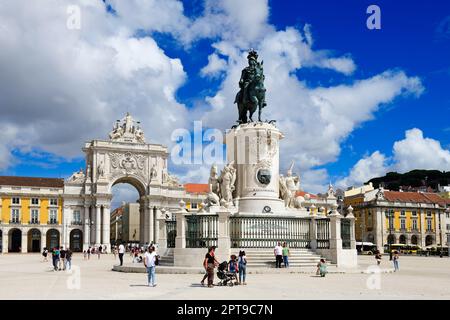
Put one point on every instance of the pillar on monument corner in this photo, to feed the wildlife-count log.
(254, 150)
(223, 236)
(161, 237)
(180, 240)
(351, 218)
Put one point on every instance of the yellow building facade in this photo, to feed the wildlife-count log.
(413, 218)
(30, 213)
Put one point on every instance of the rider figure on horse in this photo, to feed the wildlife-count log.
(252, 93)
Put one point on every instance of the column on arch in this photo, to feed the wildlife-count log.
(87, 229)
(98, 219)
(106, 226)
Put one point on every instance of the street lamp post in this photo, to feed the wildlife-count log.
(390, 216)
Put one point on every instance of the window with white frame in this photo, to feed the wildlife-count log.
(53, 202)
(15, 200)
(53, 216)
(414, 224)
(34, 216)
(403, 224)
(15, 216)
(194, 205)
(76, 216)
(414, 213)
(402, 213)
(429, 225)
(428, 213)
(35, 201)
(448, 226)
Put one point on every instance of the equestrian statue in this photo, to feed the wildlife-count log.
(252, 94)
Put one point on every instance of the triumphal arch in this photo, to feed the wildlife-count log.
(125, 157)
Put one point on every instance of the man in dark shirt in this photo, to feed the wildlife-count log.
(62, 255)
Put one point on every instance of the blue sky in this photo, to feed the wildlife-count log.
(414, 40)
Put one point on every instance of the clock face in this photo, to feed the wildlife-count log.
(267, 209)
(264, 176)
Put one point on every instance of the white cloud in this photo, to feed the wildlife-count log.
(60, 87)
(73, 84)
(215, 66)
(123, 192)
(413, 152)
(365, 169)
(417, 152)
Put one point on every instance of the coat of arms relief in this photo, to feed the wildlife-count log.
(127, 163)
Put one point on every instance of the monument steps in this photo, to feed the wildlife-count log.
(257, 258)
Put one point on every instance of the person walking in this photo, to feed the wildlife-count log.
(121, 253)
(89, 251)
(209, 264)
(68, 259)
(150, 259)
(55, 258)
(45, 254)
(115, 252)
(99, 251)
(286, 254)
(395, 259)
(84, 254)
(242, 265)
(378, 257)
(278, 252)
(62, 260)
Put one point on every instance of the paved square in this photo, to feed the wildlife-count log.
(25, 276)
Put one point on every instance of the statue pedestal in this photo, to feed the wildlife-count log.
(254, 149)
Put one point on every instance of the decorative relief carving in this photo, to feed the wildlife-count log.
(128, 163)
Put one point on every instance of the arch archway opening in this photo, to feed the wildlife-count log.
(34, 240)
(429, 240)
(391, 239)
(414, 239)
(53, 239)
(127, 203)
(15, 240)
(402, 239)
(76, 240)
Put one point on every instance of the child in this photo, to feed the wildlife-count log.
(84, 254)
(322, 268)
(232, 265)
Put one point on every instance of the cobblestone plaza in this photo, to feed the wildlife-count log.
(27, 277)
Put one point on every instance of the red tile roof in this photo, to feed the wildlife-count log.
(302, 194)
(31, 182)
(415, 197)
(196, 187)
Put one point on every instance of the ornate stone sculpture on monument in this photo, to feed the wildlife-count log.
(227, 181)
(127, 130)
(289, 185)
(77, 176)
(252, 94)
(100, 170)
(213, 197)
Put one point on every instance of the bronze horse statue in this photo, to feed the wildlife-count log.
(252, 94)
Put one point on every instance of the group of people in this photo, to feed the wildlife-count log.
(94, 250)
(61, 258)
(236, 265)
(281, 252)
(395, 258)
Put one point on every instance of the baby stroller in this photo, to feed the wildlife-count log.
(226, 278)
